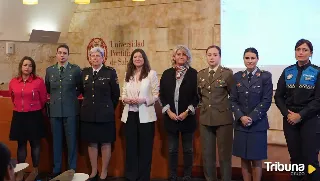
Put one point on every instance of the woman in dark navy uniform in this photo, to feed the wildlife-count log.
(251, 99)
(298, 99)
(101, 94)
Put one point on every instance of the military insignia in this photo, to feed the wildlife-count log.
(307, 78)
(86, 78)
(202, 80)
(258, 74)
(244, 74)
(238, 84)
(221, 81)
(289, 76)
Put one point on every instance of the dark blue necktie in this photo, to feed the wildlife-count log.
(249, 77)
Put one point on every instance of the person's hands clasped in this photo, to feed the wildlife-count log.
(293, 118)
(134, 101)
(246, 121)
(172, 115)
(182, 116)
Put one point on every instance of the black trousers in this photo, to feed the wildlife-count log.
(303, 146)
(139, 145)
(173, 146)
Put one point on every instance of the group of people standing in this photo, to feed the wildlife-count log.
(233, 111)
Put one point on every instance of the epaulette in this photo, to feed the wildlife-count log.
(110, 68)
(85, 68)
(315, 66)
(202, 70)
(226, 68)
(264, 71)
(291, 66)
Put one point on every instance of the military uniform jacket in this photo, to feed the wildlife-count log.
(252, 99)
(64, 90)
(100, 95)
(215, 107)
(298, 90)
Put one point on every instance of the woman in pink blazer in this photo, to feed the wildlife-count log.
(139, 93)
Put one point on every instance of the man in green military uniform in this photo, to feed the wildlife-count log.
(214, 85)
(63, 81)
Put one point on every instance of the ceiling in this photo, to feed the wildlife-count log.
(18, 20)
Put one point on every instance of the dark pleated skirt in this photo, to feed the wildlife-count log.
(27, 126)
(250, 145)
(93, 132)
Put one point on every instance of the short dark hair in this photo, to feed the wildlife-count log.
(33, 63)
(302, 41)
(5, 157)
(63, 46)
(216, 47)
(252, 50)
(131, 67)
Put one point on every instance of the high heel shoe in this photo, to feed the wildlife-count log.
(95, 178)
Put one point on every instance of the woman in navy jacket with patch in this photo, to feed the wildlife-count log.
(251, 99)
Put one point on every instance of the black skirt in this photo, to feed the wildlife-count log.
(27, 126)
(93, 132)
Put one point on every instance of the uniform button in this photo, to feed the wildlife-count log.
(209, 105)
(247, 92)
(60, 92)
(60, 86)
(209, 87)
(92, 88)
(60, 80)
(93, 95)
(92, 102)
(93, 82)
(209, 92)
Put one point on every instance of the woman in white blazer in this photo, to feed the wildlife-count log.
(139, 93)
